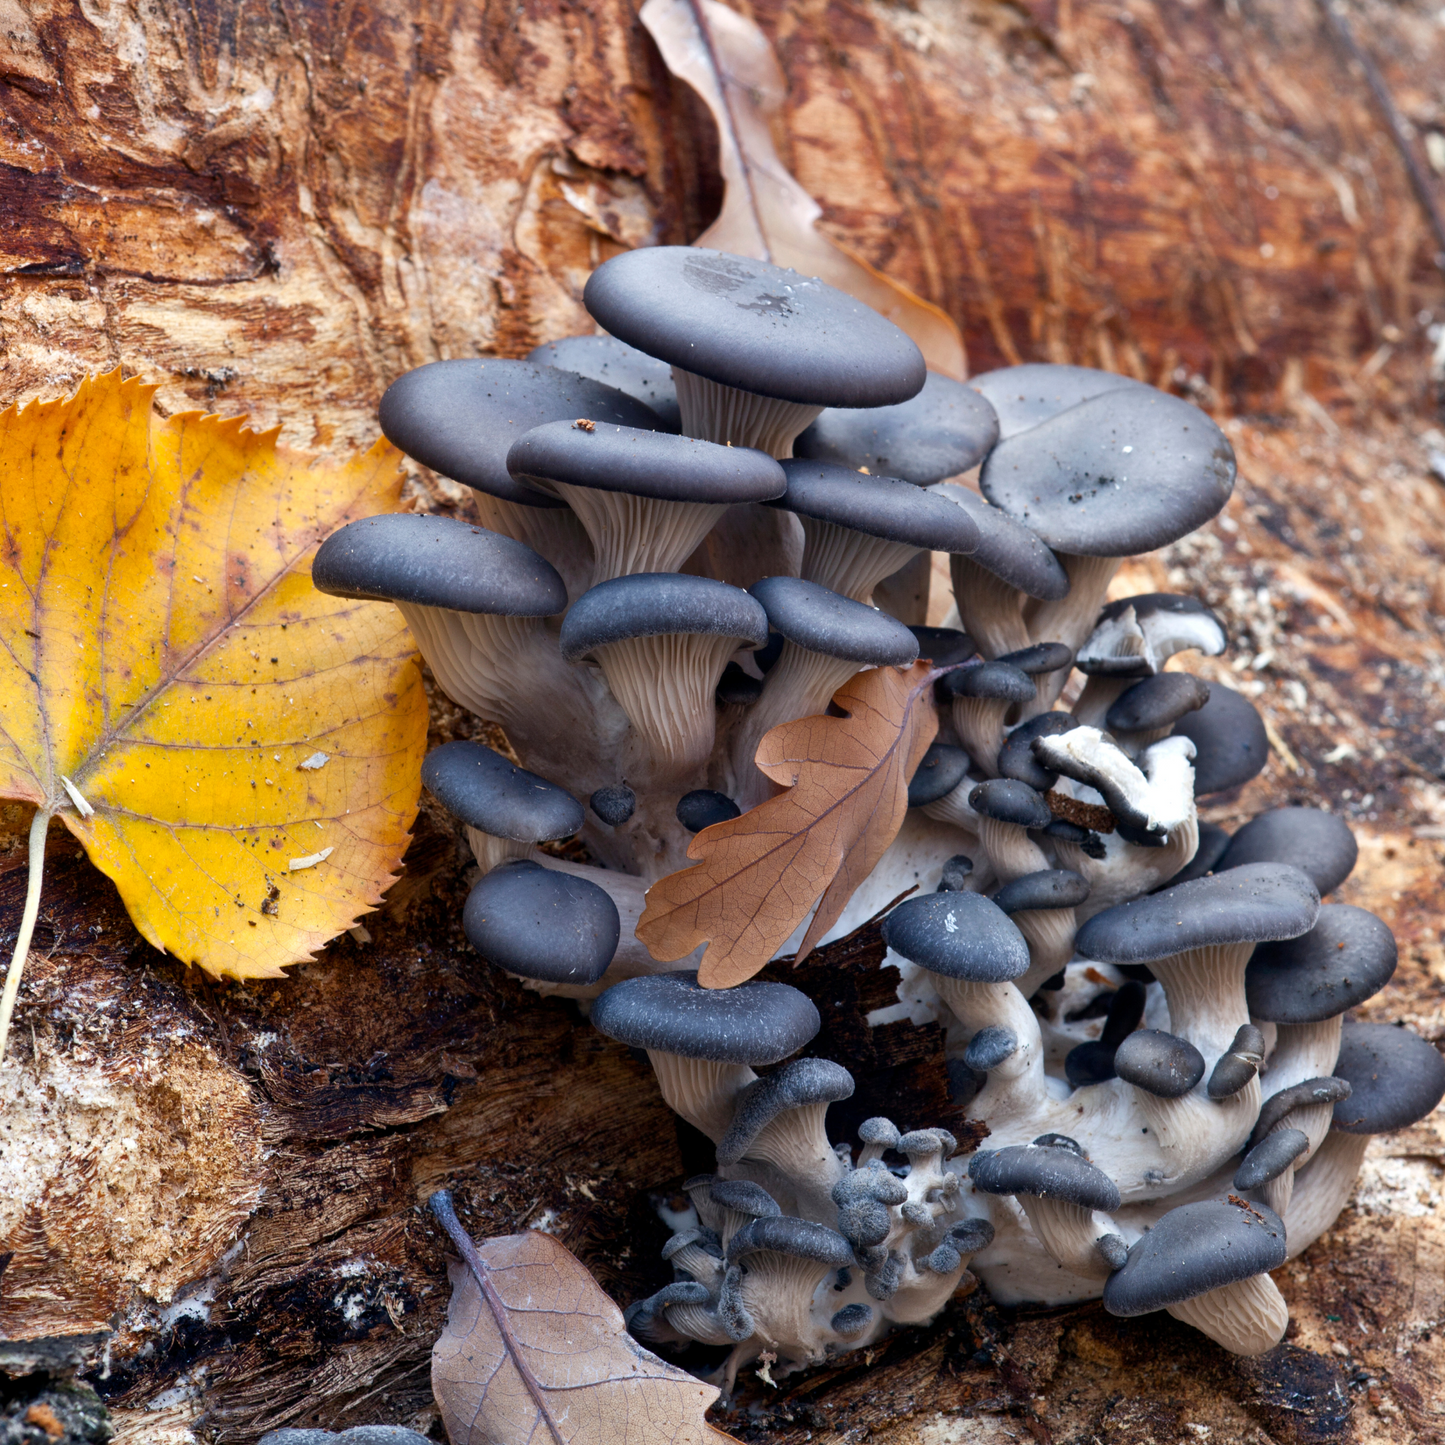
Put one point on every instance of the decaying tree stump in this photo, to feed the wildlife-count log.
(278, 209)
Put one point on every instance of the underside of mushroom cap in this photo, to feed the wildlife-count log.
(542, 924)
(1023, 396)
(795, 1086)
(1318, 843)
(754, 326)
(1347, 957)
(1048, 888)
(959, 935)
(1256, 903)
(944, 430)
(644, 463)
(1137, 635)
(487, 791)
(660, 604)
(1193, 1249)
(1008, 549)
(821, 620)
(756, 1023)
(616, 364)
(460, 417)
(1230, 743)
(877, 506)
(437, 562)
(1396, 1078)
(1045, 1172)
(1114, 476)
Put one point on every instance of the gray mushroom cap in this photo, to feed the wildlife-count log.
(1157, 702)
(959, 935)
(989, 1047)
(1117, 475)
(741, 1196)
(614, 804)
(459, 417)
(1233, 1070)
(1325, 1090)
(944, 646)
(878, 506)
(1023, 396)
(542, 924)
(1048, 888)
(756, 1023)
(754, 326)
(644, 463)
(1396, 1076)
(654, 604)
(437, 562)
(1192, 1250)
(703, 807)
(1170, 621)
(1009, 549)
(1270, 1158)
(1010, 801)
(794, 1086)
(1256, 903)
(821, 620)
(944, 430)
(1230, 743)
(1318, 843)
(942, 768)
(487, 791)
(1043, 1171)
(800, 1238)
(1161, 1064)
(1041, 657)
(1016, 758)
(999, 681)
(616, 364)
(1347, 957)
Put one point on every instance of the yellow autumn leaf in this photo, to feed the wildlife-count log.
(237, 751)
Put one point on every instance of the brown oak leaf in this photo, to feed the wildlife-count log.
(534, 1353)
(847, 780)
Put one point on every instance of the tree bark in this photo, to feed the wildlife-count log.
(278, 209)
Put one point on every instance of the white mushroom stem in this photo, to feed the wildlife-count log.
(555, 533)
(1127, 870)
(1322, 1188)
(1179, 1125)
(665, 685)
(1301, 1052)
(638, 534)
(979, 723)
(800, 683)
(921, 1295)
(849, 562)
(750, 541)
(800, 1165)
(1246, 1318)
(491, 851)
(990, 609)
(1011, 852)
(1205, 990)
(1068, 1232)
(955, 808)
(701, 1091)
(1071, 619)
(1017, 1087)
(723, 414)
(1049, 933)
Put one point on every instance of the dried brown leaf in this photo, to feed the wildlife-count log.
(533, 1352)
(728, 61)
(847, 780)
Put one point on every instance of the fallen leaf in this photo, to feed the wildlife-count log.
(847, 780)
(728, 61)
(163, 718)
(534, 1351)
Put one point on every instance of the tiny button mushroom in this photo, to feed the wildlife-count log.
(878, 1135)
(955, 874)
(703, 807)
(1007, 811)
(506, 809)
(1048, 664)
(1042, 907)
(941, 769)
(1149, 709)
(614, 804)
(1208, 1264)
(1269, 1158)
(1163, 1065)
(988, 1048)
(1239, 1065)
(944, 646)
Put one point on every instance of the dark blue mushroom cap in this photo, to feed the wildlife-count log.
(437, 562)
(1230, 743)
(820, 620)
(487, 791)
(959, 935)
(878, 506)
(1023, 396)
(1048, 888)
(1318, 843)
(1395, 1076)
(1043, 1171)
(616, 364)
(657, 604)
(941, 769)
(1009, 549)
(754, 326)
(1348, 956)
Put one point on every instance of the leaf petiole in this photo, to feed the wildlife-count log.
(38, 828)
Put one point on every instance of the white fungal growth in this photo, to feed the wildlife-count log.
(315, 761)
(310, 860)
(81, 806)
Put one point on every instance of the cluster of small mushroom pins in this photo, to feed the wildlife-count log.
(699, 526)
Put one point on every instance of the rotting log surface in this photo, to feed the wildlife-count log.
(280, 208)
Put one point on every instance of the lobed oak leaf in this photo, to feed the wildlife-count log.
(728, 61)
(533, 1351)
(847, 780)
(166, 670)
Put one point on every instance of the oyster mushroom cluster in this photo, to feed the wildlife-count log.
(700, 526)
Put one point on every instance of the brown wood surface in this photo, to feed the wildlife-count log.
(278, 208)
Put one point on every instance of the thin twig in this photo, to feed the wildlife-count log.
(39, 824)
(1334, 13)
